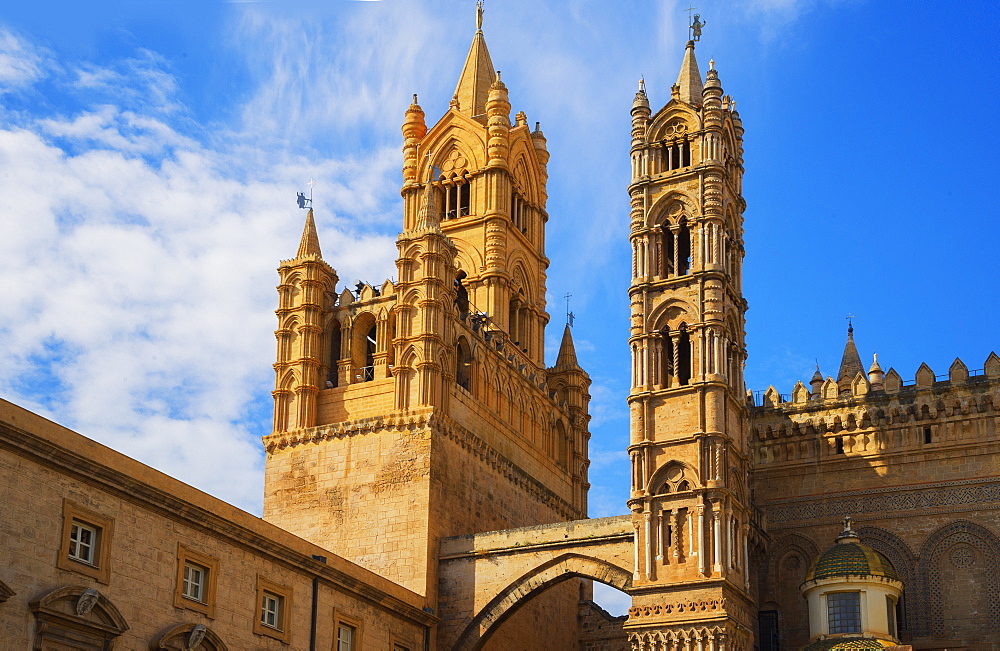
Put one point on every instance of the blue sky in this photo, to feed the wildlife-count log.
(150, 152)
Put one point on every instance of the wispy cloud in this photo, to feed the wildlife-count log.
(138, 262)
(21, 62)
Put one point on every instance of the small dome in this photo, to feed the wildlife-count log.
(851, 558)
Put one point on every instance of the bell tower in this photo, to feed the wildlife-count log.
(422, 408)
(689, 425)
(489, 177)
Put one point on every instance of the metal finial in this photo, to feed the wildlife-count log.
(569, 315)
(850, 324)
(479, 16)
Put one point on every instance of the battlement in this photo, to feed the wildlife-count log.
(878, 418)
(890, 384)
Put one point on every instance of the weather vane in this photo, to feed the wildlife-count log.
(302, 199)
(569, 315)
(695, 25)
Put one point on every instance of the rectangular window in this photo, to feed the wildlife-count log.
(82, 542)
(274, 606)
(270, 610)
(890, 613)
(194, 582)
(844, 609)
(928, 438)
(345, 637)
(85, 546)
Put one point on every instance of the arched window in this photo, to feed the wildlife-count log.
(463, 363)
(683, 356)
(683, 248)
(370, 346)
(518, 322)
(518, 212)
(675, 360)
(333, 373)
(364, 344)
(667, 257)
(667, 360)
(562, 445)
(461, 296)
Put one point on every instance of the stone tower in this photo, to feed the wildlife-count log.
(422, 408)
(689, 448)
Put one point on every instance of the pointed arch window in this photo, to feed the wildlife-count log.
(683, 265)
(364, 345)
(519, 323)
(518, 212)
(463, 365)
(371, 343)
(332, 375)
(562, 445)
(461, 296)
(667, 259)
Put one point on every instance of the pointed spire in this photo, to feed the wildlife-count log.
(689, 79)
(309, 244)
(478, 73)
(427, 215)
(567, 351)
(850, 363)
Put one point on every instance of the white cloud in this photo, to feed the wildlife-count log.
(20, 62)
(138, 266)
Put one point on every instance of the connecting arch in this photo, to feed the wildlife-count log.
(557, 570)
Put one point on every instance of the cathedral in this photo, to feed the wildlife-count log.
(426, 476)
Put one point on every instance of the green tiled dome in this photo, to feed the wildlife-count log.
(851, 559)
(841, 643)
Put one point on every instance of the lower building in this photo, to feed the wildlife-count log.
(100, 551)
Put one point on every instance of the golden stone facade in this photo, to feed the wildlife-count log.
(426, 478)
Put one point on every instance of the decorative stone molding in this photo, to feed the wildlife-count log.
(946, 494)
(76, 614)
(188, 637)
